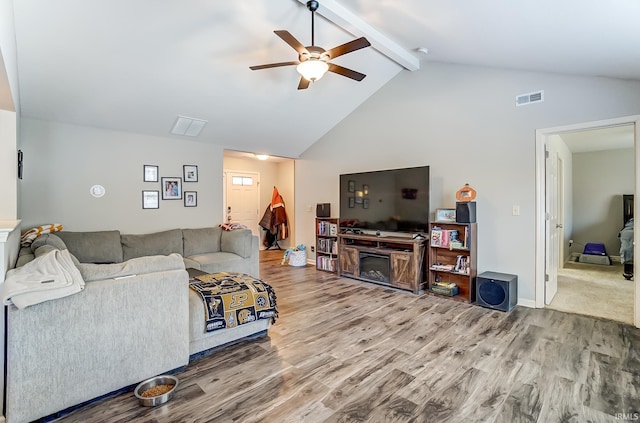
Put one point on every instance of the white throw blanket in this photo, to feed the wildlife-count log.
(50, 276)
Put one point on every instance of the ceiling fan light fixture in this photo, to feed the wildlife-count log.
(312, 69)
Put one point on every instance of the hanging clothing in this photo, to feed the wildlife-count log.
(275, 219)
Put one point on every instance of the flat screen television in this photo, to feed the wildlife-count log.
(393, 200)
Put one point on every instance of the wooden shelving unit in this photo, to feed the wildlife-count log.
(453, 258)
(327, 244)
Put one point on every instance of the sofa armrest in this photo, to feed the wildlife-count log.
(113, 334)
(238, 241)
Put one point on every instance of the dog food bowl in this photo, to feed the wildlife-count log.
(151, 401)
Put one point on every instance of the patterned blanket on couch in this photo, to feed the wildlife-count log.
(231, 299)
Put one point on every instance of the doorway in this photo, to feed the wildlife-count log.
(546, 227)
(272, 172)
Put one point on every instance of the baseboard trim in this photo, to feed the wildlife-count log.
(526, 303)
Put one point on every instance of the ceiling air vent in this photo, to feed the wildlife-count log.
(190, 127)
(530, 98)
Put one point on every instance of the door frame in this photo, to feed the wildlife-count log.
(552, 224)
(541, 141)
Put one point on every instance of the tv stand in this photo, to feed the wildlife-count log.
(390, 260)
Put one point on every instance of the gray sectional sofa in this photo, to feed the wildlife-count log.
(136, 317)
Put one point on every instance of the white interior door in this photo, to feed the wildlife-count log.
(242, 199)
(552, 224)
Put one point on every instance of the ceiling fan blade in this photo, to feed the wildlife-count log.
(304, 84)
(273, 65)
(292, 41)
(348, 47)
(346, 72)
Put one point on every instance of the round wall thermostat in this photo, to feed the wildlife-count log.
(97, 191)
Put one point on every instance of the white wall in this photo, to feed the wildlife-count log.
(8, 165)
(9, 92)
(600, 178)
(461, 121)
(63, 161)
(9, 103)
(286, 188)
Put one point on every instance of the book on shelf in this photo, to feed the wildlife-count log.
(327, 245)
(325, 228)
(441, 290)
(465, 242)
(436, 236)
(326, 263)
(444, 238)
(442, 284)
(442, 267)
(462, 265)
(456, 245)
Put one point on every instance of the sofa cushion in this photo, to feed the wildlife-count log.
(237, 242)
(190, 264)
(48, 239)
(47, 248)
(137, 266)
(220, 262)
(25, 255)
(94, 247)
(158, 243)
(198, 241)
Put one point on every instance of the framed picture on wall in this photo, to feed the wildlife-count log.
(191, 199)
(150, 173)
(171, 188)
(190, 173)
(150, 199)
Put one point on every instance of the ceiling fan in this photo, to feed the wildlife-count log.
(313, 61)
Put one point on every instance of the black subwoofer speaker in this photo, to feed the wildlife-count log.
(497, 290)
(466, 212)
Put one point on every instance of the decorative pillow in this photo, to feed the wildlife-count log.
(199, 241)
(231, 226)
(27, 238)
(159, 243)
(94, 247)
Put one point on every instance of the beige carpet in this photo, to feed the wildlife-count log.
(594, 290)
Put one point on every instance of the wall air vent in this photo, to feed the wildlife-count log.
(524, 99)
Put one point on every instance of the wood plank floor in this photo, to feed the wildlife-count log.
(348, 351)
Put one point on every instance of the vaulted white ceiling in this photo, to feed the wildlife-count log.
(135, 65)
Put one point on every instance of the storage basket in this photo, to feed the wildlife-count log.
(298, 258)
